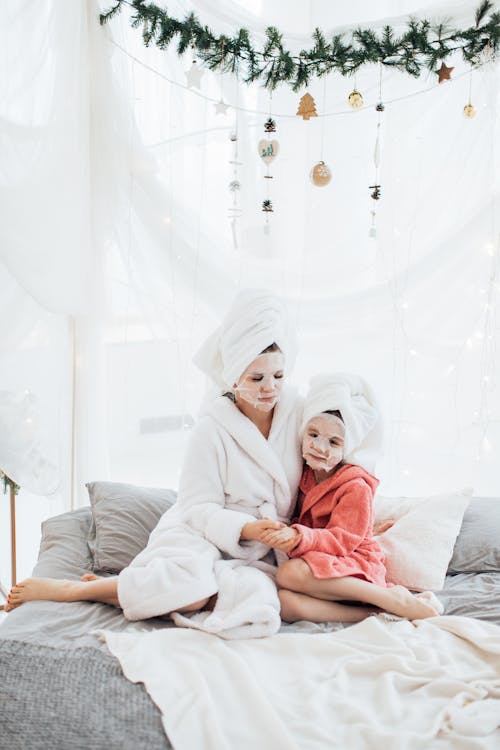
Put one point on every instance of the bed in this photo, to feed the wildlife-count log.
(61, 687)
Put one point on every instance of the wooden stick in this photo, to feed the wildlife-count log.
(13, 571)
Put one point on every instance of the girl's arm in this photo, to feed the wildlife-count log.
(350, 522)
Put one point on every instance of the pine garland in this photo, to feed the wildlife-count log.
(420, 46)
(8, 482)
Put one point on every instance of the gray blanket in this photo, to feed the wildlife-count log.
(75, 699)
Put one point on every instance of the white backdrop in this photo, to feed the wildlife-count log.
(117, 254)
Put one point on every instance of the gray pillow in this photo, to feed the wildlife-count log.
(477, 547)
(64, 548)
(124, 516)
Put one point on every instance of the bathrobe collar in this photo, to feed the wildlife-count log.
(253, 442)
(313, 492)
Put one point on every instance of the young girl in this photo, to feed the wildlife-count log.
(334, 557)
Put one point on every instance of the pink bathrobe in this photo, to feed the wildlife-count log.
(335, 518)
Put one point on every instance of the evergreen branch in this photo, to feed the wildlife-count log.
(420, 45)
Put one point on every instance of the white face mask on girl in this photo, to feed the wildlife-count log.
(260, 385)
(323, 442)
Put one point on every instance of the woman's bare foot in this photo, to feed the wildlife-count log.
(405, 604)
(104, 590)
(53, 589)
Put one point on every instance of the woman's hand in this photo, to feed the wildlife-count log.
(285, 540)
(253, 531)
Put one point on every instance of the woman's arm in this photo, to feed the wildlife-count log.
(201, 498)
(349, 523)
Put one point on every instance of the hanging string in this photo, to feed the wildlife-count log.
(338, 113)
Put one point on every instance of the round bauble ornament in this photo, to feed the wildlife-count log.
(320, 174)
(355, 99)
(469, 111)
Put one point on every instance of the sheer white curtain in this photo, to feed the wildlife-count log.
(118, 253)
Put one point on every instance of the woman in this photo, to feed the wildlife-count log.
(239, 479)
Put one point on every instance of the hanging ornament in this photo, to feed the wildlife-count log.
(268, 151)
(355, 99)
(373, 229)
(270, 126)
(267, 206)
(376, 192)
(221, 107)
(469, 111)
(320, 174)
(444, 73)
(307, 107)
(235, 184)
(194, 74)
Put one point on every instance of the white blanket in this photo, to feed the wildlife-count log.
(390, 685)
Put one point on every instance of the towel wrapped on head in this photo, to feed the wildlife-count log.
(355, 400)
(255, 320)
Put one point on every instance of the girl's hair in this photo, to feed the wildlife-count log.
(335, 413)
(272, 348)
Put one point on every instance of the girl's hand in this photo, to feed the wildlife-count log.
(285, 540)
(253, 531)
(380, 526)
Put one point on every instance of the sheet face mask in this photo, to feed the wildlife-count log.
(261, 383)
(323, 442)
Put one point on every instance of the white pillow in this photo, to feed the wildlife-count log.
(419, 546)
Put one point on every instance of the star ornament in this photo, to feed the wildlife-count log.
(444, 73)
(221, 107)
(193, 76)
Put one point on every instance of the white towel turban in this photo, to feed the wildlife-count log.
(255, 320)
(355, 400)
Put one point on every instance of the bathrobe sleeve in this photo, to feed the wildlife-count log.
(349, 523)
(201, 498)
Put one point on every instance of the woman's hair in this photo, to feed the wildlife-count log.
(272, 348)
(335, 413)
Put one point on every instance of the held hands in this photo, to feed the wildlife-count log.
(273, 533)
(253, 531)
(285, 539)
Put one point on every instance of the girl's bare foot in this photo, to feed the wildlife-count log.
(414, 607)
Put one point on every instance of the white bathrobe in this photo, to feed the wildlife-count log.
(231, 476)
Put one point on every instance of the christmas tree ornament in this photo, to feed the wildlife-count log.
(373, 229)
(320, 174)
(375, 188)
(307, 107)
(270, 126)
(268, 151)
(444, 73)
(235, 210)
(469, 111)
(267, 206)
(194, 74)
(221, 107)
(355, 99)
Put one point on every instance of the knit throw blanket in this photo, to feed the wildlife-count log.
(75, 699)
